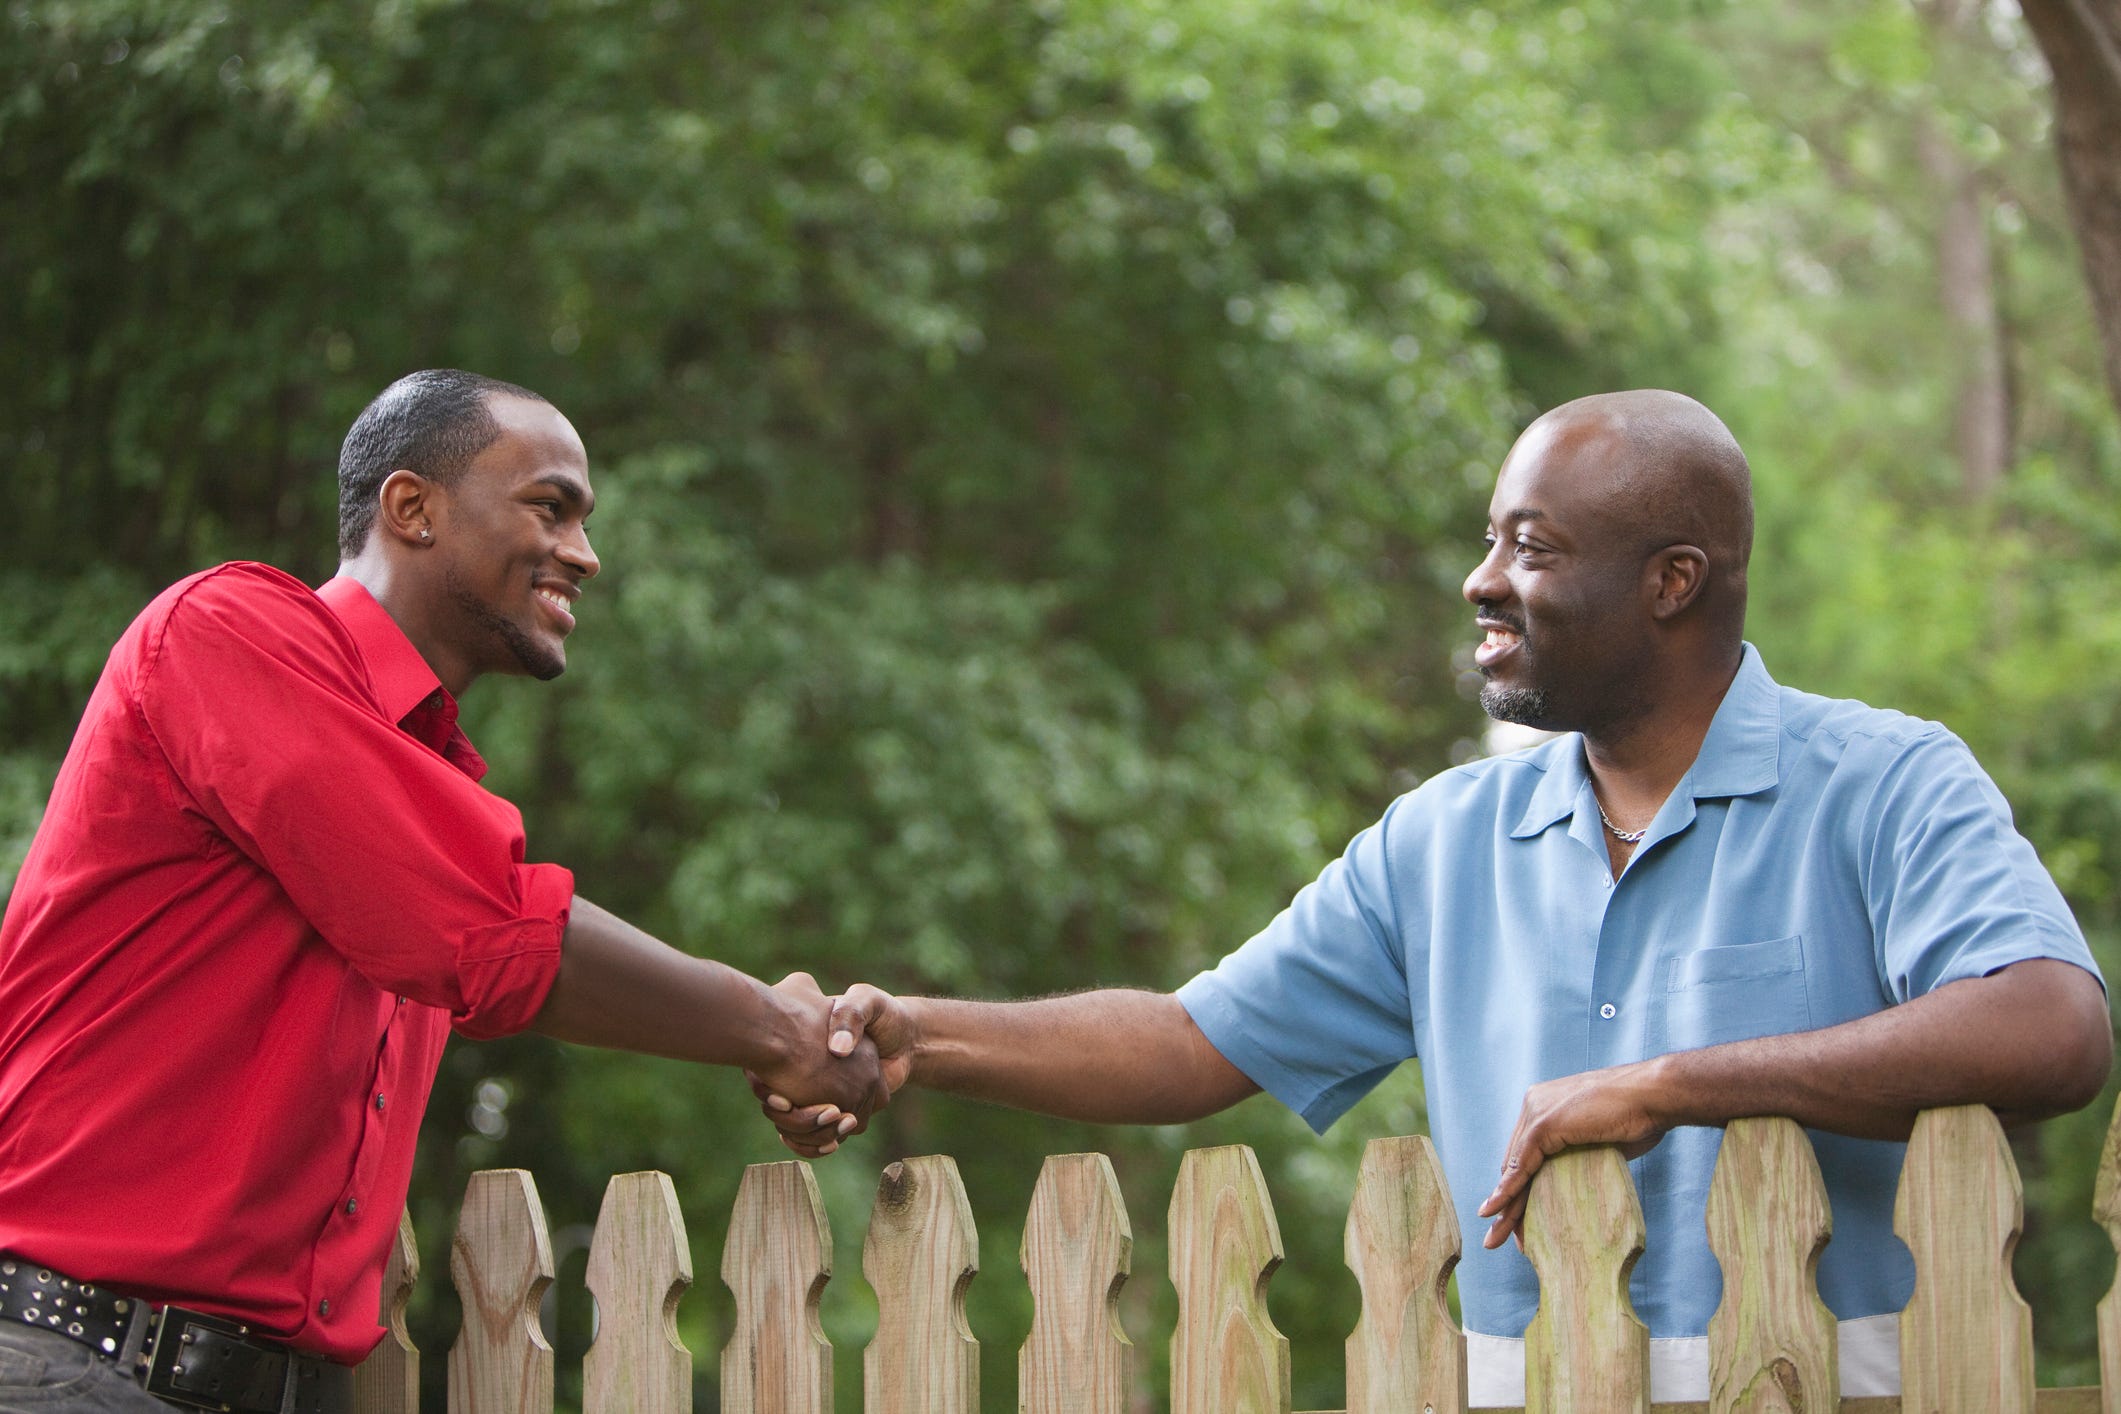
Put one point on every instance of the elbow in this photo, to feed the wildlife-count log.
(2087, 1056)
(2084, 1070)
(2077, 1055)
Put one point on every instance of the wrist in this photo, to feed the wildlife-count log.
(917, 1014)
(1665, 1091)
(781, 1033)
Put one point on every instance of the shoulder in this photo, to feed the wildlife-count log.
(239, 584)
(1859, 752)
(1843, 723)
(1880, 767)
(256, 606)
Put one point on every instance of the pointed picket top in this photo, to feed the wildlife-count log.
(1077, 1251)
(1226, 1355)
(2106, 1211)
(639, 1266)
(776, 1263)
(501, 1262)
(388, 1381)
(921, 1254)
(1402, 1241)
(1966, 1337)
(1586, 1349)
(1772, 1340)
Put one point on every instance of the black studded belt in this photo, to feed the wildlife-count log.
(182, 1357)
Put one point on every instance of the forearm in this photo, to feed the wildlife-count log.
(620, 988)
(2029, 1041)
(1107, 1057)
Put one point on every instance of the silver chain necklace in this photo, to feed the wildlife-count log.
(1624, 836)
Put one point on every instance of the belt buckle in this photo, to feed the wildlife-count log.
(168, 1337)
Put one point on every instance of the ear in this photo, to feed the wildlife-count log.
(1675, 577)
(405, 509)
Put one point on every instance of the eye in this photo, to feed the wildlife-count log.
(1526, 550)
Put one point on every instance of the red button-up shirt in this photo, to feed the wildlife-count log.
(267, 886)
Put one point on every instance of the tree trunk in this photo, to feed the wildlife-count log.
(1966, 278)
(2082, 42)
(1966, 275)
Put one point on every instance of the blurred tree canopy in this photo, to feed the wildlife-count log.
(1038, 447)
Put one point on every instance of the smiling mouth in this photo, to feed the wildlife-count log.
(1498, 643)
(557, 602)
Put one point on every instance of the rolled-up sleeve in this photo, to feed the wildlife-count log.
(399, 861)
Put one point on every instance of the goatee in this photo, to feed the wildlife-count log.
(1523, 706)
(534, 658)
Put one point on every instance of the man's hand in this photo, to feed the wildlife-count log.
(1619, 1105)
(864, 1020)
(869, 1013)
(827, 1081)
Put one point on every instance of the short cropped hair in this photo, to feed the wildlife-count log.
(432, 422)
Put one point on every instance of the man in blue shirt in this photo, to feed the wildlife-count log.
(1713, 897)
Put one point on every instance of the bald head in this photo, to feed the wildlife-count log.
(1612, 594)
(1659, 469)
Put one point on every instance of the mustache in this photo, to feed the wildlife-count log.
(1486, 609)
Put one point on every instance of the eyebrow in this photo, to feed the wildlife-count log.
(571, 491)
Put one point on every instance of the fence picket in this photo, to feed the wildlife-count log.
(777, 1261)
(501, 1262)
(1077, 1251)
(388, 1381)
(1772, 1340)
(1583, 1230)
(1406, 1352)
(1226, 1355)
(921, 1254)
(1966, 1337)
(639, 1266)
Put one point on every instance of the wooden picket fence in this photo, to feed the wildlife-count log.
(1966, 1337)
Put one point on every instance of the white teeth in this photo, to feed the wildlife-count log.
(1500, 637)
(555, 600)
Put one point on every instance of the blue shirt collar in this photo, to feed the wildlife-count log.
(1740, 756)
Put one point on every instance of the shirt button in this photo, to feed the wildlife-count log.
(379, 1099)
(324, 1307)
(1608, 1011)
(353, 1205)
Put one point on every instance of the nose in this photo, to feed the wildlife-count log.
(575, 553)
(1487, 584)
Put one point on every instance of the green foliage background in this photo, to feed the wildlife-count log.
(1039, 445)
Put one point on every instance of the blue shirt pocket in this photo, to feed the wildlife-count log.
(1736, 993)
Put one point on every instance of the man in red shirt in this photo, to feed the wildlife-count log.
(267, 887)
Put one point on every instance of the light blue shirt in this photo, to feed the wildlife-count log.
(1821, 861)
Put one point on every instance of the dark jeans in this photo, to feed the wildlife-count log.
(43, 1372)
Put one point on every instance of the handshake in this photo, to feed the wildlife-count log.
(838, 1060)
(1106, 1056)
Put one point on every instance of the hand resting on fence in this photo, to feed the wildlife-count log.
(2029, 1040)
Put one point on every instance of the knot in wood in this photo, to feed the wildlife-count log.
(1788, 1380)
(896, 1188)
